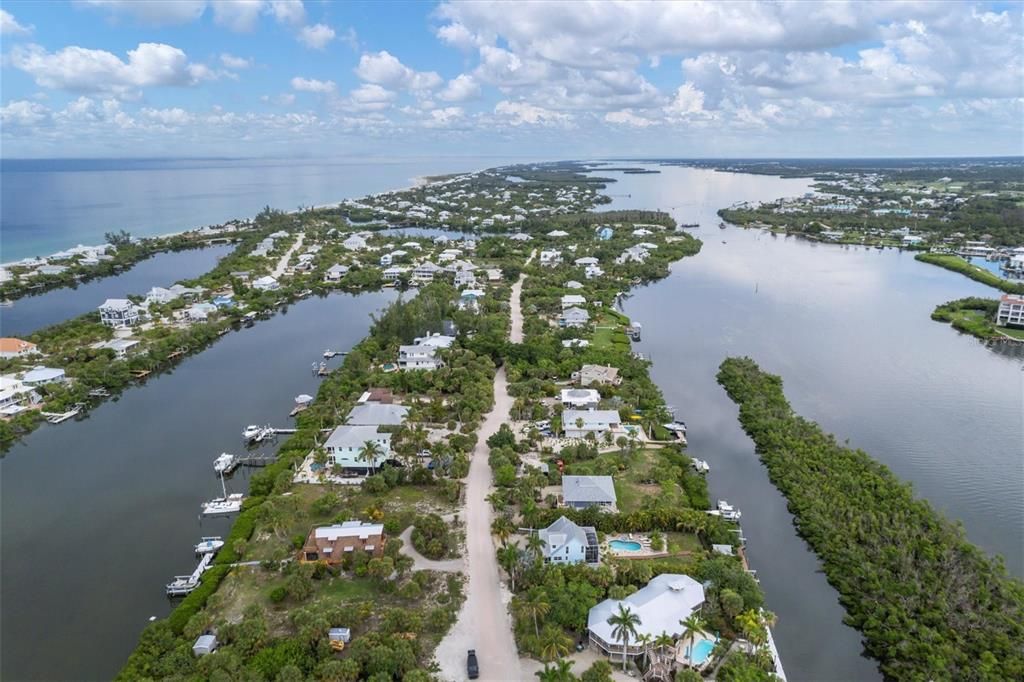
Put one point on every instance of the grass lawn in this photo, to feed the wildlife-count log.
(635, 477)
(609, 333)
(679, 543)
(1015, 333)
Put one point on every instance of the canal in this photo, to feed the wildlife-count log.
(849, 331)
(98, 515)
(32, 313)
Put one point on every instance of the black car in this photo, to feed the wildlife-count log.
(472, 667)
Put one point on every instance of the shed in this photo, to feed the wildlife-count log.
(340, 635)
(206, 644)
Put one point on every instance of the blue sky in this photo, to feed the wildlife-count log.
(286, 77)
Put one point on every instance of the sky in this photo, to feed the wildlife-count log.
(255, 78)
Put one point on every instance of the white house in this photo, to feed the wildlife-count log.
(465, 278)
(1011, 311)
(593, 271)
(11, 347)
(558, 233)
(666, 600)
(574, 317)
(597, 374)
(119, 312)
(121, 347)
(570, 300)
(550, 258)
(585, 261)
(393, 273)
(575, 343)
(580, 398)
(15, 395)
(40, 376)
(573, 284)
(567, 543)
(426, 271)
(346, 444)
(354, 243)
(266, 283)
(422, 354)
(580, 492)
(579, 423)
(520, 237)
(335, 273)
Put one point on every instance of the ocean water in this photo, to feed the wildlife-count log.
(51, 204)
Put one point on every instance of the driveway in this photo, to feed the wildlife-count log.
(422, 563)
(282, 264)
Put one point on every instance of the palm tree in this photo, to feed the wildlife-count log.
(663, 642)
(624, 624)
(503, 528)
(645, 641)
(554, 643)
(693, 625)
(508, 559)
(535, 545)
(369, 453)
(560, 672)
(532, 605)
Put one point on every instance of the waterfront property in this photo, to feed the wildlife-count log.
(266, 283)
(580, 398)
(573, 318)
(580, 492)
(597, 374)
(422, 354)
(571, 300)
(348, 447)
(16, 348)
(330, 544)
(40, 376)
(335, 273)
(15, 396)
(372, 413)
(1011, 311)
(581, 423)
(119, 312)
(567, 543)
(666, 600)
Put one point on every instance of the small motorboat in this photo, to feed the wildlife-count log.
(701, 466)
(209, 545)
(721, 226)
(676, 426)
(231, 504)
(251, 432)
(727, 511)
(223, 462)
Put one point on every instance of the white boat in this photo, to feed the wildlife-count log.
(676, 426)
(251, 432)
(226, 504)
(727, 511)
(208, 545)
(701, 466)
(223, 462)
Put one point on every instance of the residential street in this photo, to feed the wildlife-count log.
(282, 264)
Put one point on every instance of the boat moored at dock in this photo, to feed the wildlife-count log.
(209, 545)
(223, 463)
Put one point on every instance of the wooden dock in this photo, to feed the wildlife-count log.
(251, 461)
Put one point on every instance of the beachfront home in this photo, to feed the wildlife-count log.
(573, 317)
(580, 492)
(580, 423)
(393, 274)
(666, 600)
(597, 374)
(266, 283)
(122, 347)
(422, 354)
(330, 544)
(40, 376)
(51, 270)
(16, 348)
(15, 396)
(570, 300)
(346, 445)
(1011, 311)
(372, 413)
(580, 398)
(636, 254)
(426, 271)
(119, 312)
(335, 273)
(550, 258)
(567, 543)
(200, 312)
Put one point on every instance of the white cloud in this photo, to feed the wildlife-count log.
(628, 118)
(312, 85)
(459, 89)
(288, 11)
(520, 113)
(371, 97)
(174, 117)
(444, 118)
(233, 62)
(385, 69)
(317, 36)
(240, 16)
(79, 69)
(9, 26)
(687, 101)
(23, 113)
(151, 13)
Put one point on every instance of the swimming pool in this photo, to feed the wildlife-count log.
(701, 651)
(624, 545)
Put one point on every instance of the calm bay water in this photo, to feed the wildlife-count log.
(849, 332)
(49, 205)
(99, 515)
(31, 313)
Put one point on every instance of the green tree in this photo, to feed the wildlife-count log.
(560, 671)
(624, 624)
(692, 626)
(533, 605)
(553, 643)
(369, 453)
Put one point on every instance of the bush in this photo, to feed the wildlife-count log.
(278, 594)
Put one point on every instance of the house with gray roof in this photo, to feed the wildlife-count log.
(346, 443)
(567, 543)
(119, 312)
(373, 413)
(573, 317)
(666, 600)
(335, 272)
(580, 423)
(580, 492)
(580, 398)
(597, 374)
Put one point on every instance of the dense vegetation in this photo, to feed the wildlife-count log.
(970, 315)
(977, 273)
(930, 604)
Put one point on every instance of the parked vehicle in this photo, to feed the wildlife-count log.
(472, 667)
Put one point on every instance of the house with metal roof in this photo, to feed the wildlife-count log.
(336, 272)
(119, 312)
(567, 543)
(666, 600)
(331, 544)
(597, 374)
(570, 300)
(266, 283)
(580, 423)
(580, 492)
(580, 398)
(574, 317)
(40, 376)
(346, 443)
(377, 414)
